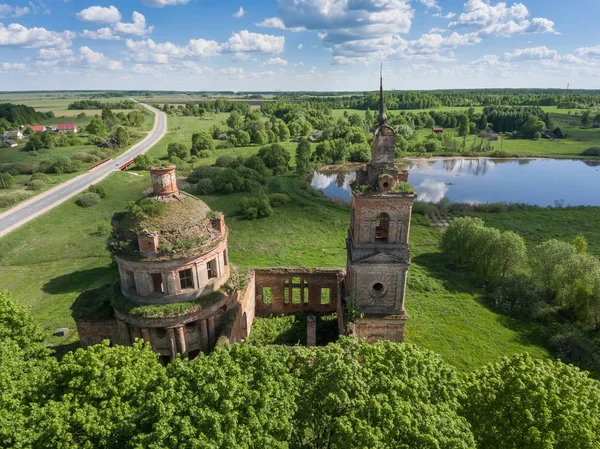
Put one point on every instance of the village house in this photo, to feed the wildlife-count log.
(437, 130)
(65, 127)
(18, 135)
(35, 128)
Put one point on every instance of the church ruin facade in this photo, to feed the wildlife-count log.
(178, 291)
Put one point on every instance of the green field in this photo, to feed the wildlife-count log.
(20, 156)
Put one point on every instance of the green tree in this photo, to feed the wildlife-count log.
(7, 181)
(275, 157)
(586, 118)
(108, 117)
(303, 154)
(96, 127)
(464, 125)
(380, 395)
(526, 403)
(532, 126)
(143, 161)
(179, 150)
(34, 143)
(121, 137)
(202, 141)
(235, 121)
(242, 139)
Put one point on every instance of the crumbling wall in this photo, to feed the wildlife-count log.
(295, 289)
(94, 331)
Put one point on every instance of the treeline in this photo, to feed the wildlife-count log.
(398, 100)
(97, 104)
(552, 285)
(347, 395)
(201, 108)
(13, 115)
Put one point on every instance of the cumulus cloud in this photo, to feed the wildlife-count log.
(13, 66)
(534, 53)
(588, 52)
(272, 22)
(12, 11)
(240, 13)
(20, 36)
(275, 61)
(300, 46)
(245, 41)
(434, 43)
(232, 72)
(430, 4)
(500, 19)
(447, 16)
(163, 3)
(99, 14)
(262, 74)
(105, 34)
(97, 60)
(54, 53)
(137, 27)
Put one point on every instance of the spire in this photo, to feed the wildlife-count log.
(382, 117)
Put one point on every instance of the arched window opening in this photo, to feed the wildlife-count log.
(383, 227)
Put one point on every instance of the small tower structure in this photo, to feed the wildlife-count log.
(377, 244)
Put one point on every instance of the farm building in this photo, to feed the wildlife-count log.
(64, 127)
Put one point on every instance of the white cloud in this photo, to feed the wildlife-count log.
(245, 41)
(300, 46)
(242, 57)
(588, 52)
(163, 3)
(54, 53)
(434, 43)
(534, 53)
(17, 35)
(262, 74)
(240, 13)
(99, 14)
(13, 66)
(136, 28)
(105, 34)
(447, 16)
(272, 22)
(500, 19)
(97, 60)
(148, 50)
(232, 72)
(12, 11)
(430, 4)
(275, 61)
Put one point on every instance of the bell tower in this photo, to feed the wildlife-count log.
(377, 243)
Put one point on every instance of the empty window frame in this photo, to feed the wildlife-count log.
(296, 290)
(325, 296)
(383, 227)
(186, 279)
(225, 258)
(267, 297)
(129, 280)
(157, 283)
(211, 268)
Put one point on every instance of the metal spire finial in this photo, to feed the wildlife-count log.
(382, 117)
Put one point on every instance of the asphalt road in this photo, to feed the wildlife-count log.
(28, 210)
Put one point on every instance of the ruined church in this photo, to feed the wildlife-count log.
(178, 291)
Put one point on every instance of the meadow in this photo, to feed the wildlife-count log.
(58, 104)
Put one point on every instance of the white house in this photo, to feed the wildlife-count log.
(13, 135)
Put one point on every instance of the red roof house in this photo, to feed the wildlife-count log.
(38, 128)
(437, 130)
(64, 127)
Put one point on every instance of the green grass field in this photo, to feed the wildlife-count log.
(49, 261)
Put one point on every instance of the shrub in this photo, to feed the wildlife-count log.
(143, 161)
(591, 151)
(278, 199)
(224, 161)
(224, 145)
(40, 176)
(85, 157)
(36, 184)
(10, 198)
(7, 181)
(204, 154)
(403, 187)
(205, 186)
(515, 295)
(88, 199)
(255, 207)
(97, 189)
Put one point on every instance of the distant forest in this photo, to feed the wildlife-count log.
(19, 113)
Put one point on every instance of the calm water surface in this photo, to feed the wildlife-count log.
(542, 182)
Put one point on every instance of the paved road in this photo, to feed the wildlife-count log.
(28, 210)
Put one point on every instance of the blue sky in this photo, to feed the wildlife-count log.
(297, 44)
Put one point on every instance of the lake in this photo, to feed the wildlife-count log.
(543, 182)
